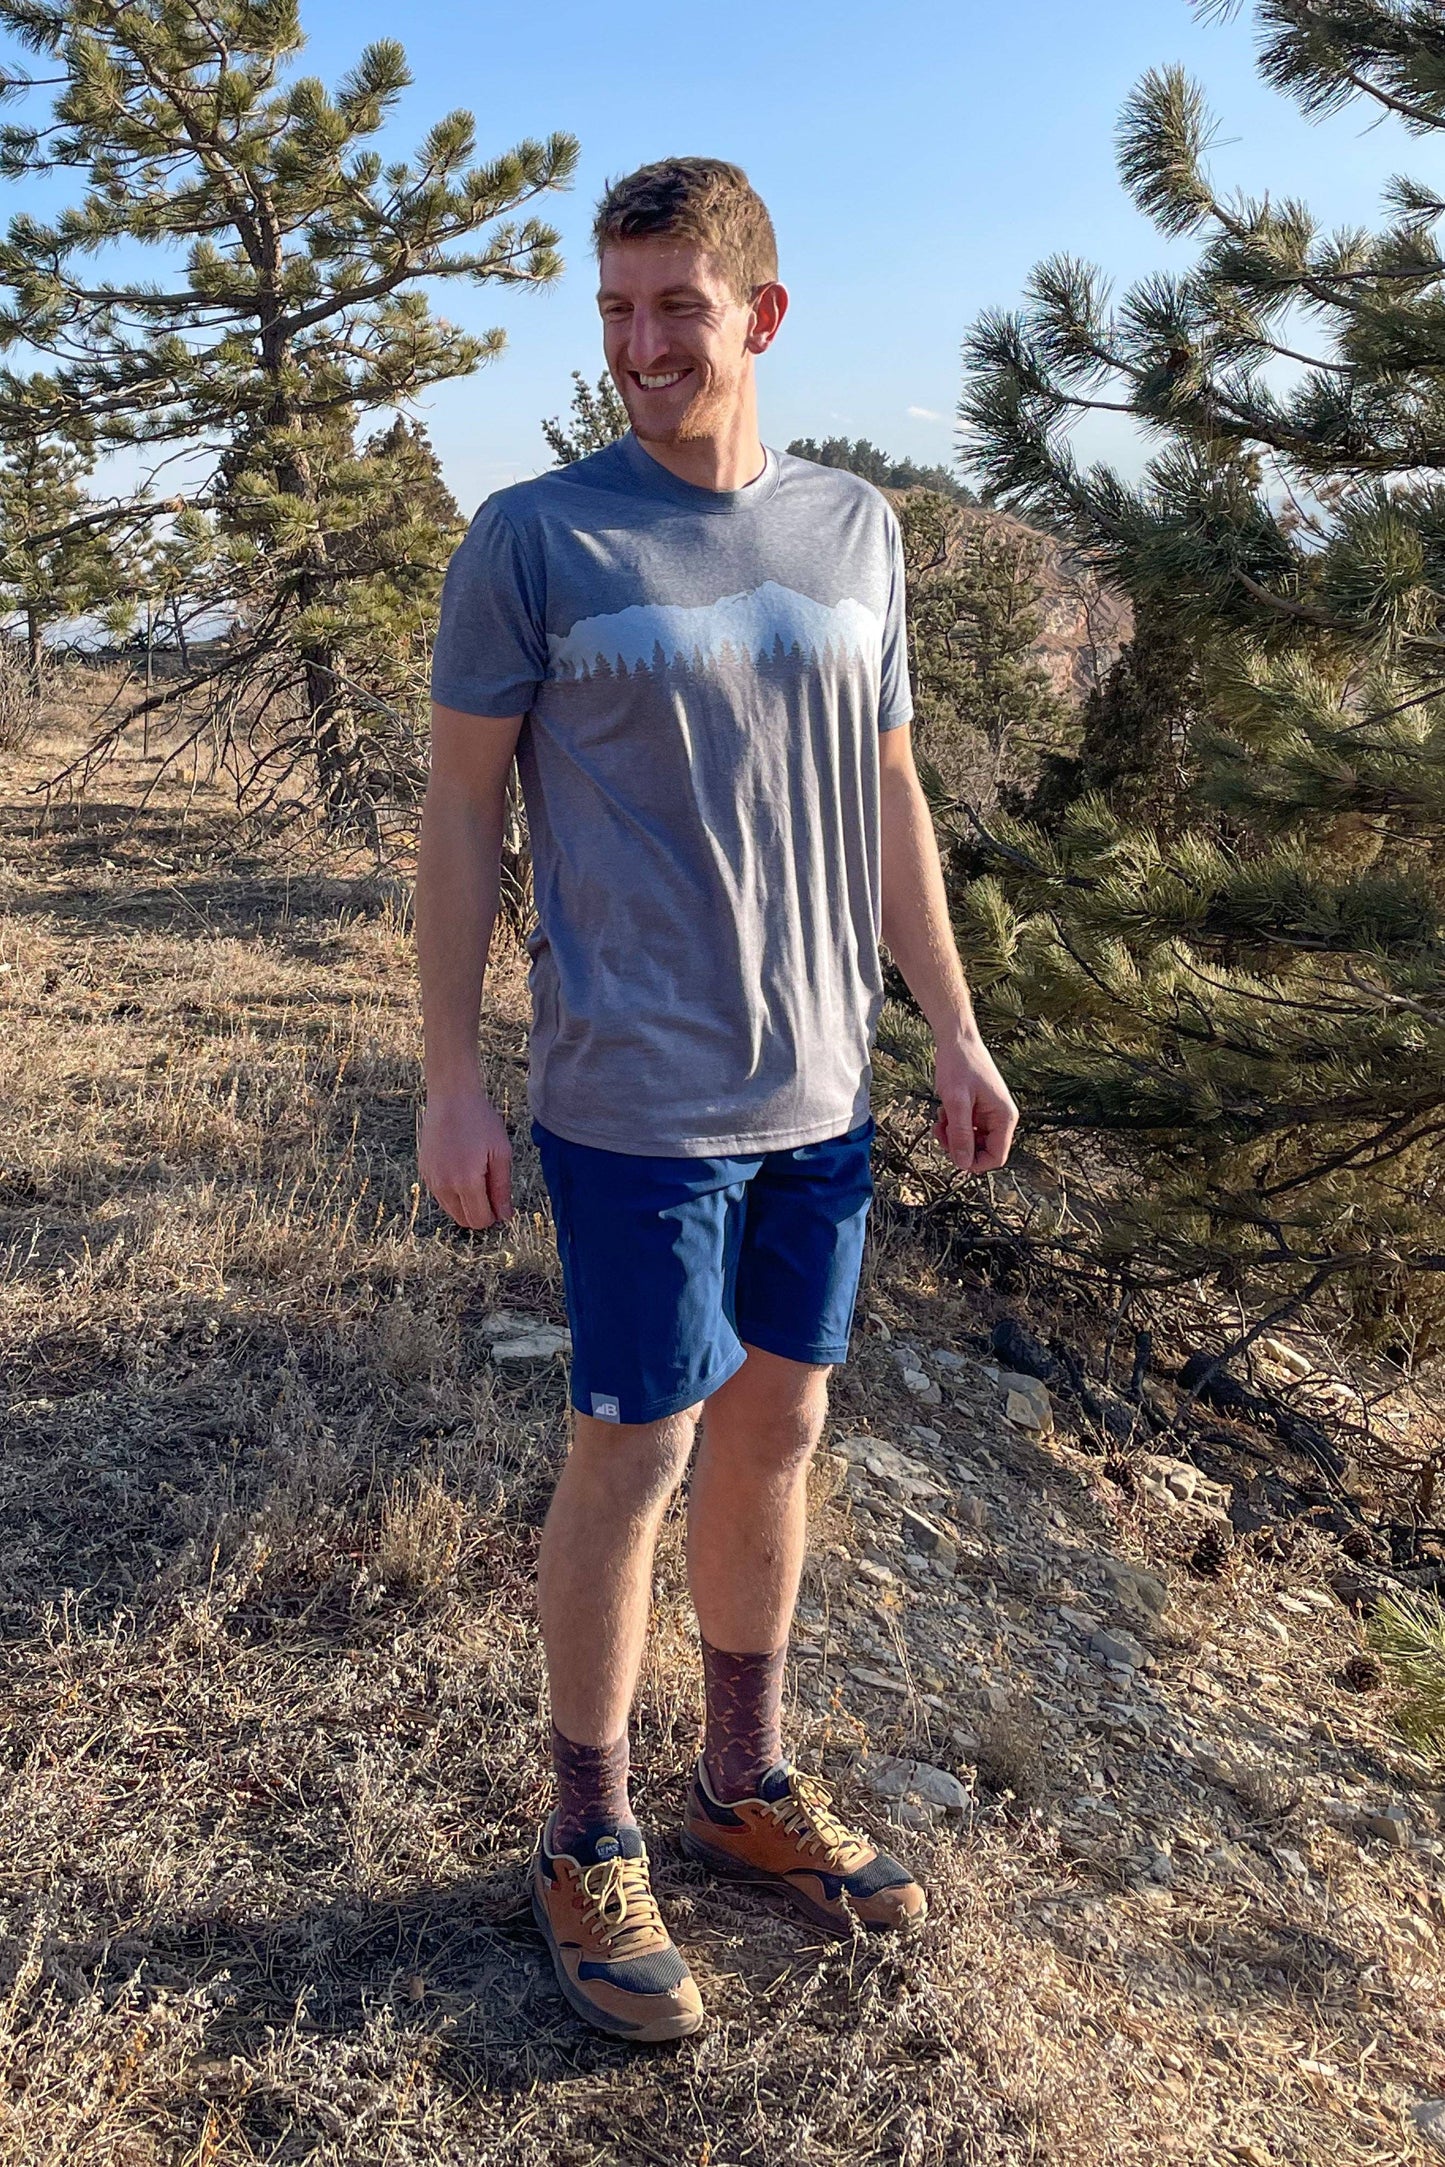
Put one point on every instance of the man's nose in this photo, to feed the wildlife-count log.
(647, 341)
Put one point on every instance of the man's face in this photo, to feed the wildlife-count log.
(678, 339)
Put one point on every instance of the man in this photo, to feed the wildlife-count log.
(695, 648)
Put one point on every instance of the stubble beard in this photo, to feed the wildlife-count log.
(699, 419)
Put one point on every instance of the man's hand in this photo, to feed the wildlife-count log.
(464, 1157)
(977, 1115)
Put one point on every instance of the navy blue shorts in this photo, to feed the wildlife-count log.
(670, 1265)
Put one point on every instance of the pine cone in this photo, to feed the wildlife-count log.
(1210, 1554)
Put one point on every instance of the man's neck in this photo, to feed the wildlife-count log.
(728, 461)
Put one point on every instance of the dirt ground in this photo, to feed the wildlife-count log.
(273, 1744)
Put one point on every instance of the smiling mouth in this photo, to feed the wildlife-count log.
(662, 381)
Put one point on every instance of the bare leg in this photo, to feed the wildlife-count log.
(594, 1574)
(748, 1507)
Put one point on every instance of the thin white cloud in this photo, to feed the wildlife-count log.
(923, 413)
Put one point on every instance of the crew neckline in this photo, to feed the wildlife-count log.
(652, 475)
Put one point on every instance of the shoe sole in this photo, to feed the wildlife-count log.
(721, 1862)
(654, 2034)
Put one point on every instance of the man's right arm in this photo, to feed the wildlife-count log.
(464, 1157)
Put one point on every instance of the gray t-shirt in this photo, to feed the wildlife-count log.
(704, 675)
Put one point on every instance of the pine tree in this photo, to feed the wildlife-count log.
(599, 418)
(301, 305)
(859, 456)
(1133, 742)
(1244, 1003)
(984, 703)
(59, 555)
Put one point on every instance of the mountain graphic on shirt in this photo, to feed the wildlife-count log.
(769, 623)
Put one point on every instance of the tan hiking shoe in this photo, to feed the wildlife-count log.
(790, 1839)
(615, 1959)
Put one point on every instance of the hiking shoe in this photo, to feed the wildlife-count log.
(615, 1959)
(789, 1838)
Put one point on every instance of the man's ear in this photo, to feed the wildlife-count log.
(769, 307)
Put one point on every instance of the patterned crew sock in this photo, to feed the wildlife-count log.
(591, 1793)
(744, 1738)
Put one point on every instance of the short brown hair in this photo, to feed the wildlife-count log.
(695, 199)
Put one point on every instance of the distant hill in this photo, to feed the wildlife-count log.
(858, 456)
(1085, 623)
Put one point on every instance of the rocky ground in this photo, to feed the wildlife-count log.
(278, 1446)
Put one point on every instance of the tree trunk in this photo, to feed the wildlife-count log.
(326, 719)
(326, 704)
(34, 648)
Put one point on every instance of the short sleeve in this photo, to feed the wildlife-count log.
(895, 694)
(490, 656)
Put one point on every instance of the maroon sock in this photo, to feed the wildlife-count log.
(591, 1791)
(744, 1719)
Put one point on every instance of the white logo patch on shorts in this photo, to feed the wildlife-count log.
(606, 1407)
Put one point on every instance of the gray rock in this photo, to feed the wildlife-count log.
(1428, 2116)
(1142, 1593)
(1392, 1826)
(1181, 1477)
(887, 1776)
(883, 1459)
(937, 1787)
(923, 1388)
(1117, 1650)
(908, 1813)
(1026, 1402)
(972, 1514)
(923, 1534)
(878, 1679)
(538, 1346)
(1292, 1360)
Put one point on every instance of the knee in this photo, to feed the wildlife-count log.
(792, 1438)
(635, 1466)
(775, 1429)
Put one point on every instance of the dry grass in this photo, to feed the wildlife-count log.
(1012, 1757)
(273, 1742)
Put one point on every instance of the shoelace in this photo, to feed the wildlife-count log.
(807, 1811)
(619, 1904)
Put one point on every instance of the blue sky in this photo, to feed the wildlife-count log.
(918, 158)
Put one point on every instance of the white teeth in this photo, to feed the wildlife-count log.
(660, 383)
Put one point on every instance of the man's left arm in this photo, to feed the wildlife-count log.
(977, 1115)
